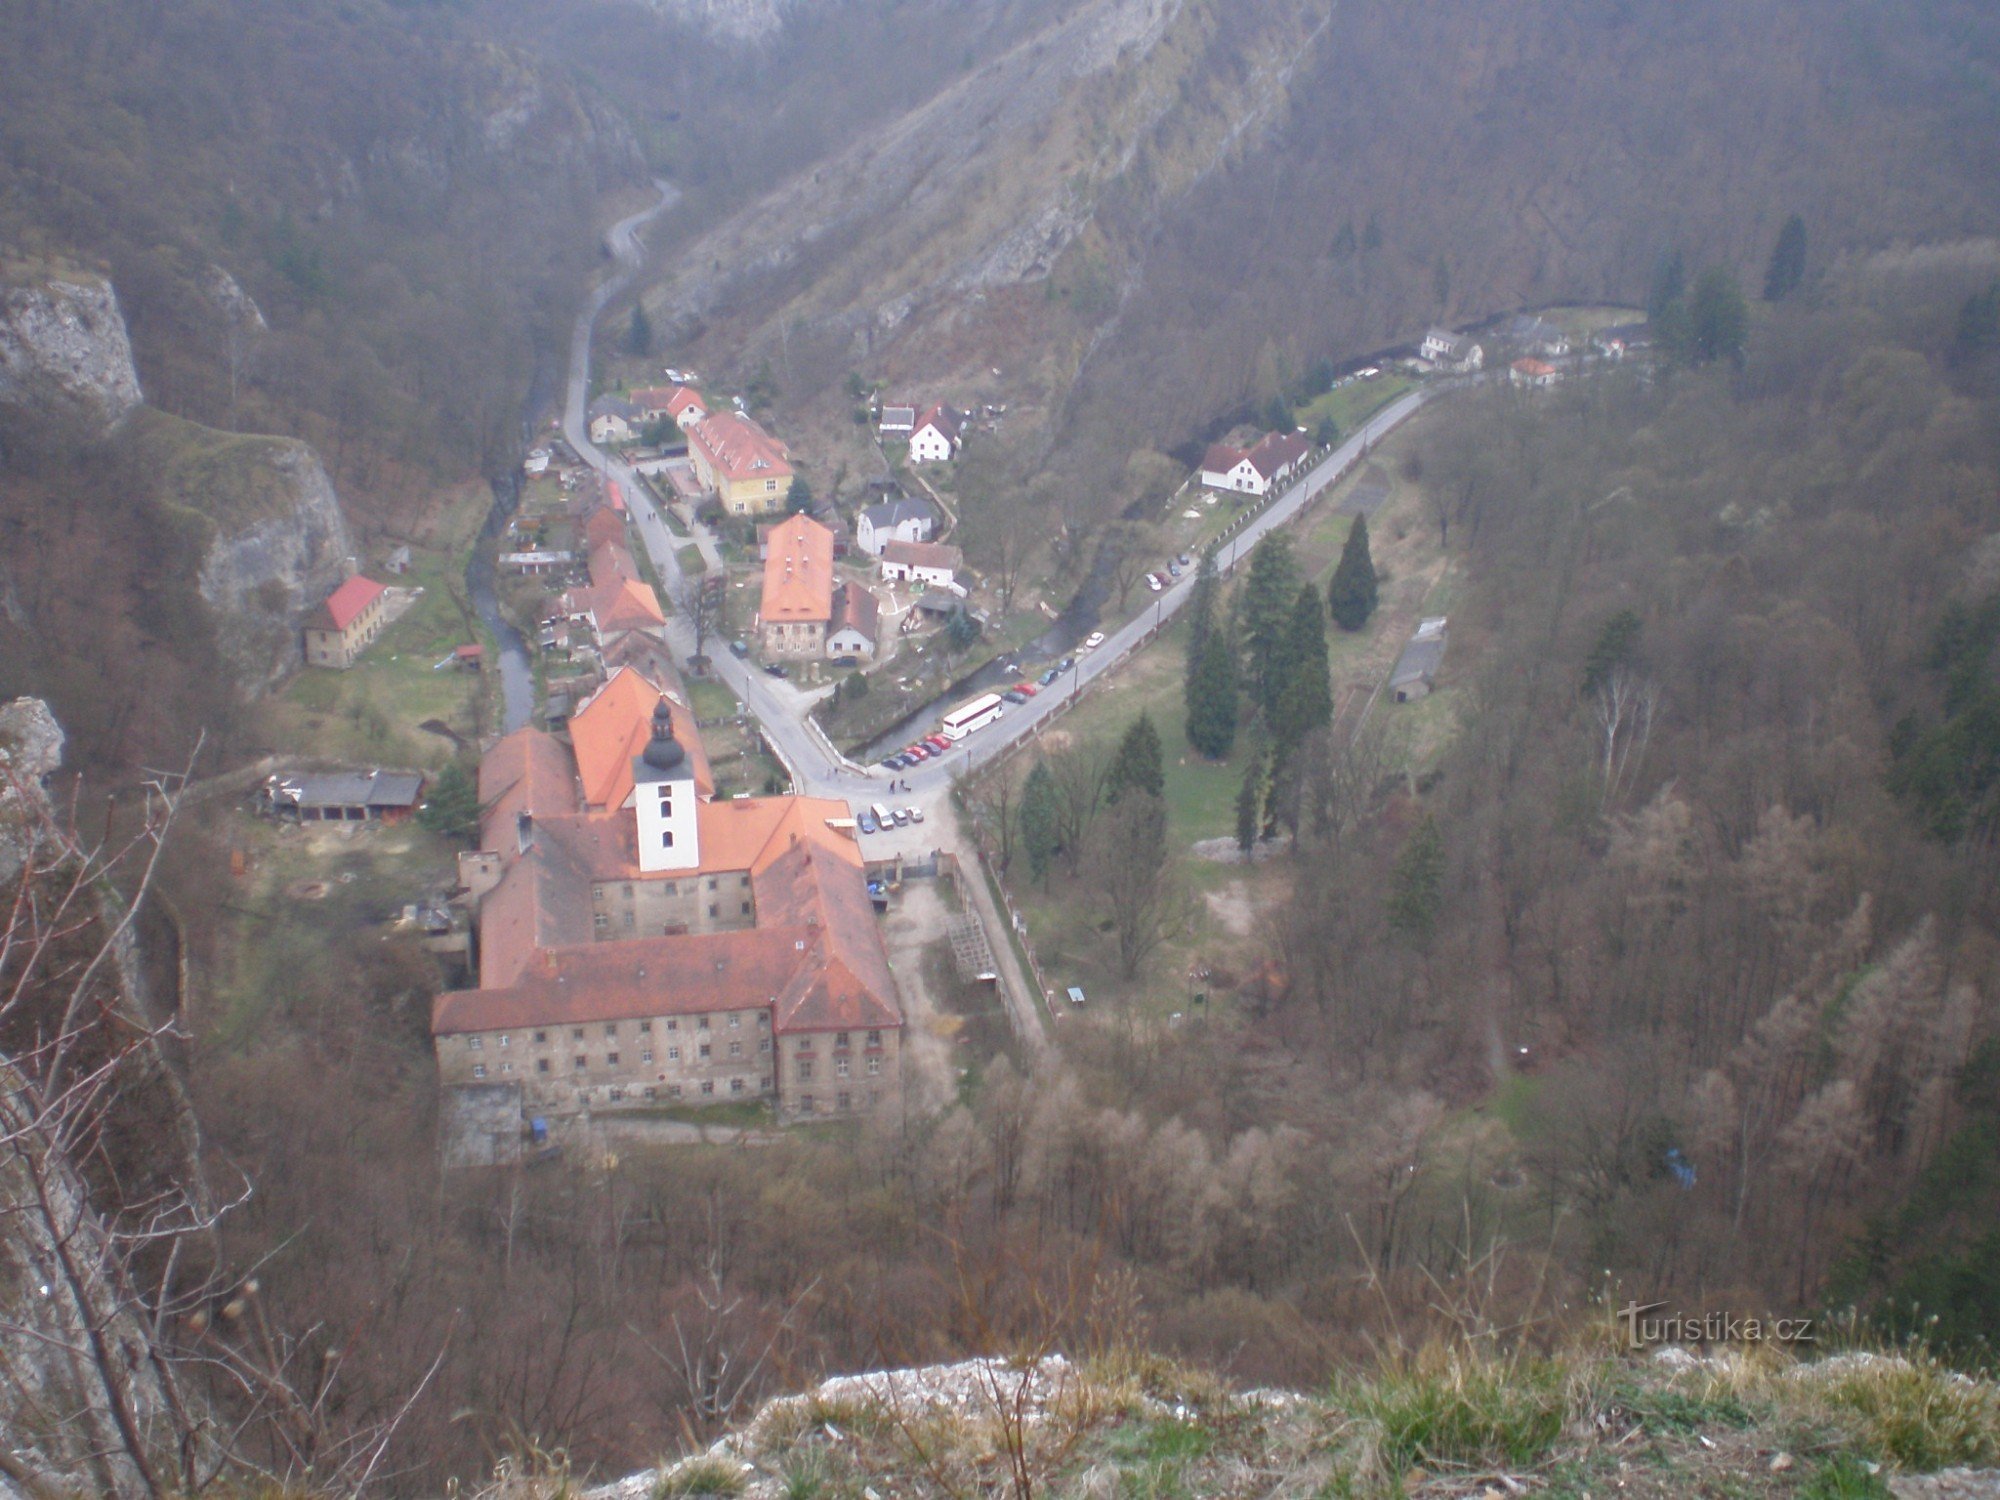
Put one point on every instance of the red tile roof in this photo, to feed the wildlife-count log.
(345, 604)
(604, 526)
(1277, 451)
(613, 725)
(737, 448)
(798, 572)
(847, 984)
(855, 607)
(1221, 458)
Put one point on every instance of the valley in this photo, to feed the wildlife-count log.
(862, 747)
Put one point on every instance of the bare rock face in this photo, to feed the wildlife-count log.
(265, 573)
(63, 342)
(31, 747)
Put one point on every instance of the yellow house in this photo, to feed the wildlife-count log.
(747, 469)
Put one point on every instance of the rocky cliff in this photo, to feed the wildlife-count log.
(63, 343)
(274, 540)
(261, 511)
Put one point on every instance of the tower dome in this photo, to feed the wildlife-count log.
(663, 752)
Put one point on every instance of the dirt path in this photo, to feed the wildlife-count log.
(916, 923)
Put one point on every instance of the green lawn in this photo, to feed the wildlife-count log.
(372, 711)
(1353, 404)
(711, 699)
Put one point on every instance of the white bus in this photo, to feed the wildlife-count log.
(967, 717)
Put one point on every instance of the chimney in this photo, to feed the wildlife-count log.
(524, 828)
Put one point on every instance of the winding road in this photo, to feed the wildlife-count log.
(816, 767)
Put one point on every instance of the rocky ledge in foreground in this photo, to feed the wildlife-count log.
(1441, 1423)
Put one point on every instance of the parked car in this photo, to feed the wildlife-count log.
(1092, 641)
(893, 763)
(1185, 560)
(937, 742)
(1026, 688)
(1173, 570)
(1069, 661)
(1155, 582)
(774, 668)
(918, 752)
(741, 648)
(866, 822)
(902, 816)
(1051, 675)
(1013, 695)
(916, 815)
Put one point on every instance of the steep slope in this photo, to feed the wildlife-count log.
(1148, 211)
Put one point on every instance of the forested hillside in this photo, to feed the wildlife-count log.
(1669, 856)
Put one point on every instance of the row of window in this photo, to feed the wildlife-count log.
(601, 921)
(804, 1068)
(671, 888)
(673, 1023)
(841, 1041)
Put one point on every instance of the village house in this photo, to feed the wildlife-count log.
(616, 602)
(1417, 668)
(743, 466)
(899, 520)
(797, 603)
(856, 622)
(937, 435)
(897, 421)
(344, 796)
(1535, 336)
(639, 941)
(927, 562)
(1451, 351)
(677, 403)
(1271, 460)
(1532, 374)
(613, 419)
(343, 627)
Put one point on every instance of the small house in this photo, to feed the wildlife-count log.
(343, 627)
(345, 796)
(933, 563)
(1417, 668)
(898, 520)
(937, 436)
(897, 421)
(613, 419)
(856, 622)
(1532, 374)
(1451, 351)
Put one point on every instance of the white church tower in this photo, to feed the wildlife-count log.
(663, 800)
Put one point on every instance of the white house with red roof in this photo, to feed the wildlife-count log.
(1533, 374)
(1272, 459)
(343, 627)
(937, 436)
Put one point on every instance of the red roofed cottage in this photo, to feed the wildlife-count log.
(342, 628)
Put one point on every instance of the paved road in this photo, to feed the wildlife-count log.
(817, 768)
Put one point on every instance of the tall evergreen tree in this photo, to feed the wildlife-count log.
(1211, 695)
(1250, 804)
(1040, 821)
(639, 332)
(1305, 702)
(1788, 261)
(1416, 893)
(1351, 596)
(1718, 321)
(1138, 765)
(1201, 606)
(1263, 613)
(1669, 285)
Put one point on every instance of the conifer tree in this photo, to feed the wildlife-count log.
(1138, 765)
(1250, 804)
(1417, 890)
(1788, 261)
(1351, 596)
(639, 332)
(1263, 615)
(1211, 696)
(1040, 822)
(1305, 702)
